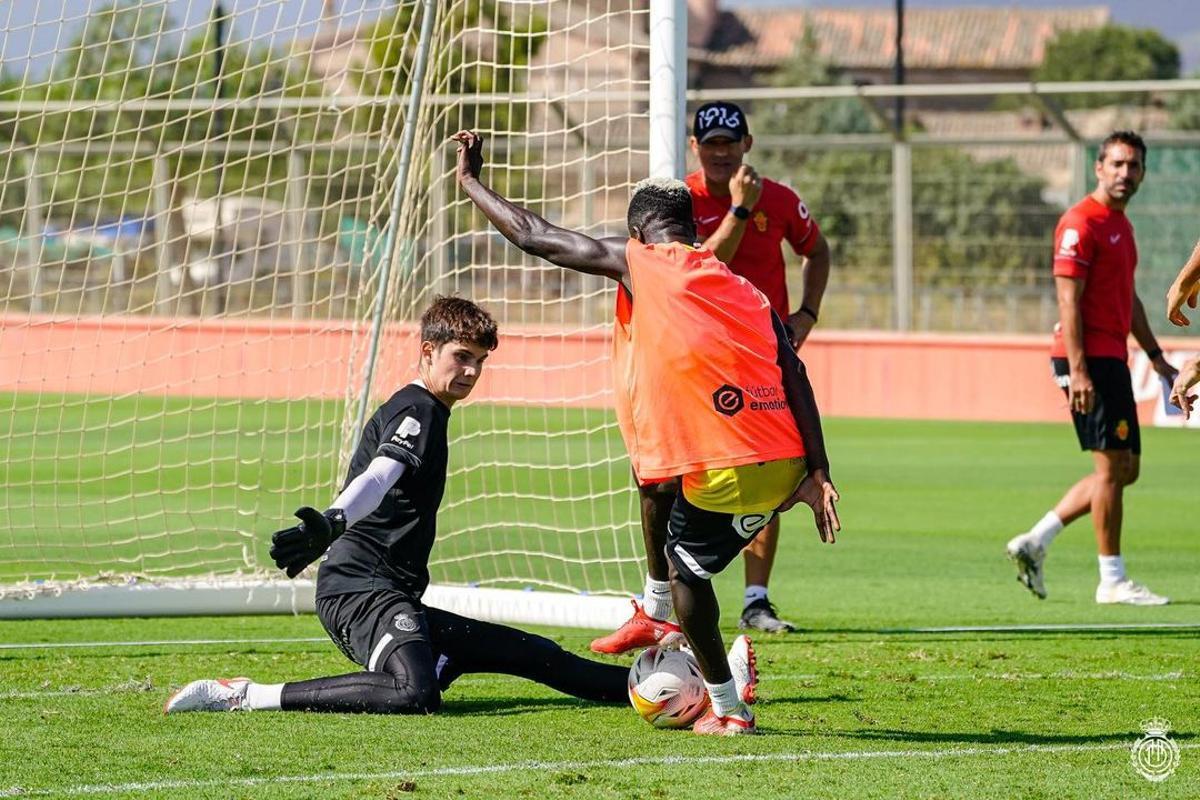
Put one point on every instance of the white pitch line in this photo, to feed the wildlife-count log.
(769, 677)
(971, 676)
(1069, 627)
(158, 643)
(542, 766)
(1048, 628)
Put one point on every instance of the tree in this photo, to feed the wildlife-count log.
(968, 216)
(1109, 53)
(1184, 109)
(513, 36)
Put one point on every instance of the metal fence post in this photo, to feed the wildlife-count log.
(293, 213)
(902, 233)
(34, 229)
(161, 197)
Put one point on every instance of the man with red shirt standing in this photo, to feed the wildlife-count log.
(744, 220)
(1094, 261)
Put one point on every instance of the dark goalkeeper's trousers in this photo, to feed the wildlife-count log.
(408, 673)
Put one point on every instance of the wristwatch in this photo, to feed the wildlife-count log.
(741, 212)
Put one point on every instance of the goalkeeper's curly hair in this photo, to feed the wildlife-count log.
(455, 319)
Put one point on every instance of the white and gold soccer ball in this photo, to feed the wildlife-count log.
(666, 688)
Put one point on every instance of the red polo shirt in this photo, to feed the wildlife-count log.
(779, 214)
(1094, 243)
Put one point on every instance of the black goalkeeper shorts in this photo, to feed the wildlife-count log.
(702, 543)
(369, 626)
(1112, 423)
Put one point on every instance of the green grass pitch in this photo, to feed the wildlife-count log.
(857, 704)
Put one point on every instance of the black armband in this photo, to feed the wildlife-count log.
(1154, 354)
(741, 212)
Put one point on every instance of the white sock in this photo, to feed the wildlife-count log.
(263, 697)
(656, 599)
(724, 697)
(754, 592)
(1112, 569)
(1046, 529)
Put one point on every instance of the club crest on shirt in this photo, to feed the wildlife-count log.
(1123, 430)
(408, 427)
(404, 622)
(760, 221)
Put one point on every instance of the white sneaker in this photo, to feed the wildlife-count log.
(1029, 558)
(744, 666)
(1130, 593)
(225, 694)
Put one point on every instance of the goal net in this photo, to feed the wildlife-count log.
(219, 220)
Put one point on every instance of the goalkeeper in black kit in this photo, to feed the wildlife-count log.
(378, 534)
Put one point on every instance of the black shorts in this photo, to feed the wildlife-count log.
(1113, 421)
(702, 543)
(369, 626)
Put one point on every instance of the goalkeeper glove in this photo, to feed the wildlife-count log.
(295, 548)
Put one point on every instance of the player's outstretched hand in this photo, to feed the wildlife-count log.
(1189, 376)
(817, 492)
(470, 154)
(1177, 295)
(295, 548)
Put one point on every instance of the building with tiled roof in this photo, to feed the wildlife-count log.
(941, 45)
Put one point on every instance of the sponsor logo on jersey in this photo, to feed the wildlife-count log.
(803, 209)
(707, 220)
(728, 400)
(760, 221)
(408, 427)
(405, 622)
(1068, 245)
(766, 398)
(749, 524)
(1116, 237)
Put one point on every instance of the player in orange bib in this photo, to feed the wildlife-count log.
(709, 391)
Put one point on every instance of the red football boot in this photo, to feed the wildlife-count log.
(641, 630)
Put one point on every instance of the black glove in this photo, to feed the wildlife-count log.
(295, 548)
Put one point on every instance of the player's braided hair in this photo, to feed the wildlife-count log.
(659, 198)
(455, 319)
(1130, 138)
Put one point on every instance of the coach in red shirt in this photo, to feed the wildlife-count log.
(745, 220)
(1094, 261)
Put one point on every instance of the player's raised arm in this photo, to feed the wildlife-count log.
(532, 233)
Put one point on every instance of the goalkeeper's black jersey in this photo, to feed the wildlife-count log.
(389, 549)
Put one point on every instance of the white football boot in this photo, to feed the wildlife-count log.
(1029, 558)
(224, 694)
(744, 667)
(1130, 593)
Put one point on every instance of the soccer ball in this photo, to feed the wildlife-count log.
(666, 688)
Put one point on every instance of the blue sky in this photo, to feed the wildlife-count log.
(34, 28)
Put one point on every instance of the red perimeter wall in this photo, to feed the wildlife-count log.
(920, 376)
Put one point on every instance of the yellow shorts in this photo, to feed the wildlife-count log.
(748, 489)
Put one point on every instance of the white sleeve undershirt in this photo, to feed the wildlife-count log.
(366, 492)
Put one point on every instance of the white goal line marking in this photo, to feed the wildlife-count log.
(542, 766)
(160, 643)
(1048, 628)
(80, 691)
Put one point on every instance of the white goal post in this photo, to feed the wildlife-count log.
(218, 222)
